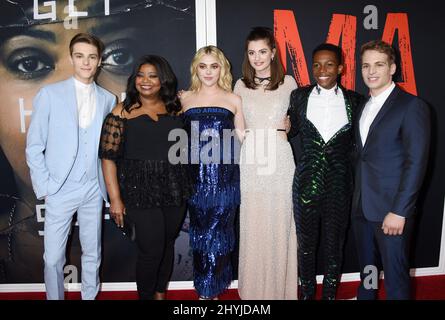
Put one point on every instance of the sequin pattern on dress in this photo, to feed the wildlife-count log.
(213, 206)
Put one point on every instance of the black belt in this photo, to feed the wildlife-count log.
(284, 130)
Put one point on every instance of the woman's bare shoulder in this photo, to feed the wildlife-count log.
(187, 99)
(234, 98)
(233, 101)
(185, 94)
(117, 110)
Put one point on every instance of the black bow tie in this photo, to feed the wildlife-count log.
(317, 87)
(262, 79)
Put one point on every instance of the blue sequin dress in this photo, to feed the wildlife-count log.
(212, 208)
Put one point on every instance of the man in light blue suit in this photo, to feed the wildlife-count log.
(62, 154)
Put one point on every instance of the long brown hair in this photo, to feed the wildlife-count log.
(276, 68)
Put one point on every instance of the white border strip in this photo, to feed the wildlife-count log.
(205, 17)
(201, 23)
(211, 22)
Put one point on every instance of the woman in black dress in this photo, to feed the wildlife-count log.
(142, 183)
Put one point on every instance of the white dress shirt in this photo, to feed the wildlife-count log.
(371, 110)
(326, 110)
(86, 103)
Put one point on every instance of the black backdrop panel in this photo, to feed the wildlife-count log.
(313, 20)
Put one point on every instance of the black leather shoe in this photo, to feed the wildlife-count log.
(306, 297)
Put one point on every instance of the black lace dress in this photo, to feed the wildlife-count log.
(140, 148)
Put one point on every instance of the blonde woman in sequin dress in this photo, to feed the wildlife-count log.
(268, 245)
(212, 112)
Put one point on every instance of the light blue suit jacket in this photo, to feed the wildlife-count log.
(52, 140)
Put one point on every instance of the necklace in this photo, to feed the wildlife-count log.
(262, 79)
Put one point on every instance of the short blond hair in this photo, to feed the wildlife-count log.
(225, 77)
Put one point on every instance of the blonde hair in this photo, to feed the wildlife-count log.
(225, 77)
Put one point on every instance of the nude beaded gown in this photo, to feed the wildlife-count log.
(268, 245)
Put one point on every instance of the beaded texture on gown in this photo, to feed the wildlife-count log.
(213, 206)
(268, 245)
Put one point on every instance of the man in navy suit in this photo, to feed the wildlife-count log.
(392, 133)
(62, 150)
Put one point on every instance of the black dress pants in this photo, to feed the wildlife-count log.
(326, 213)
(375, 248)
(156, 232)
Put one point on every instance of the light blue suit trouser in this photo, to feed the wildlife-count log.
(85, 198)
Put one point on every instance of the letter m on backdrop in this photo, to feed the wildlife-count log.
(345, 26)
(288, 37)
(399, 21)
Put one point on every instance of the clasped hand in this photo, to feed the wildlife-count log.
(393, 224)
(117, 211)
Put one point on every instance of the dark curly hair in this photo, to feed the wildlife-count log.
(169, 85)
(329, 47)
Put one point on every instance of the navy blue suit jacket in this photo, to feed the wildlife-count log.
(390, 167)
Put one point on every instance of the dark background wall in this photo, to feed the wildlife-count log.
(313, 19)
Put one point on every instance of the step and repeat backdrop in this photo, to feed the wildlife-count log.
(413, 28)
(34, 39)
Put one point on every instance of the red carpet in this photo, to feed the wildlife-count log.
(425, 288)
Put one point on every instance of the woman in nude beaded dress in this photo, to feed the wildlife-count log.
(268, 245)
